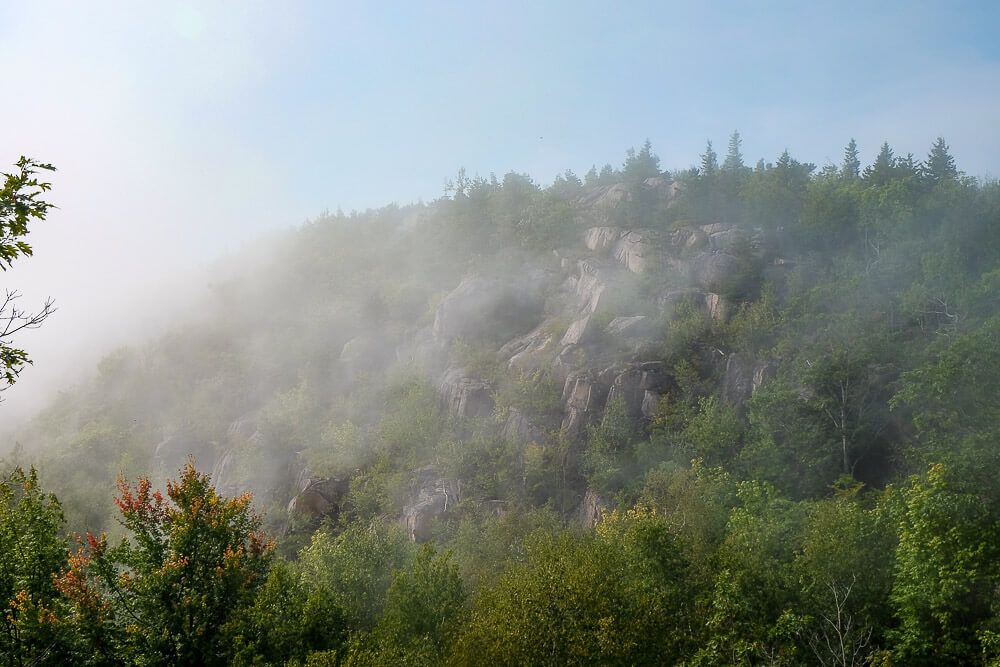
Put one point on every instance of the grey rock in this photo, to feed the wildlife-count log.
(600, 239)
(318, 498)
(636, 326)
(584, 397)
(744, 376)
(530, 351)
(464, 395)
(592, 509)
(518, 428)
(485, 307)
(650, 403)
(639, 251)
(433, 499)
(577, 331)
(716, 272)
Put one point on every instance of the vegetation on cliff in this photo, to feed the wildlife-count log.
(727, 415)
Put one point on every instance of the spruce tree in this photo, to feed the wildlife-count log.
(940, 164)
(734, 157)
(852, 164)
(709, 162)
(607, 176)
(883, 169)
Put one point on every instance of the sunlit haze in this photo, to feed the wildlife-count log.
(183, 130)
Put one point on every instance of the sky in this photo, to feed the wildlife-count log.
(184, 130)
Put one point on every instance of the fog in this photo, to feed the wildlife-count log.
(530, 333)
(182, 130)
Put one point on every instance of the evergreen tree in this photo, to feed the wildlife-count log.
(607, 176)
(883, 169)
(852, 164)
(642, 165)
(591, 178)
(734, 157)
(908, 166)
(709, 162)
(940, 164)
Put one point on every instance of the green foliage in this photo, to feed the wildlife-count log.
(356, 567)
(193, 561)
(31, 550)
(609, 455)
(617, 597)
(714, 433)
(775, 194)
(787, 540)
(946, 572)
(952, 396)
(530, 392)
(422, 609)
(287, 621)
(20, 204)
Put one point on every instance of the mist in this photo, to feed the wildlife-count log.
(655, 334)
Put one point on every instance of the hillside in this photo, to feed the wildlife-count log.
(763, 396)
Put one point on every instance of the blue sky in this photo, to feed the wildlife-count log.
(182, 129)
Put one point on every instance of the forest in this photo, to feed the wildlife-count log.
(735, 414)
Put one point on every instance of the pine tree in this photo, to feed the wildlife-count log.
(940, 164)
(852, 164)
(734, 157)
(607, 175)
(883, 169)
(642, 165)
(908, 166)
(709, 162)
(591, 177)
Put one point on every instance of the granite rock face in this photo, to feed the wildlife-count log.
(433, 498)
(464, 395)
(482, 307)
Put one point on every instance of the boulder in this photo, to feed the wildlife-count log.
(567, 361)
(639, 251)
(716, 271)
(484, 307)
(605, 196)
(464, 395)
(715, 228)
(709, 303)
(743, 377)
(577, 331)
(637, 326)
(584, 397)
(595, 277)
(737, 381)
(635, 382)
(688, 240)
(318, 498)
(530, 351)
(650, 403)
(626, 387)
(600, 239)
(434, 497)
